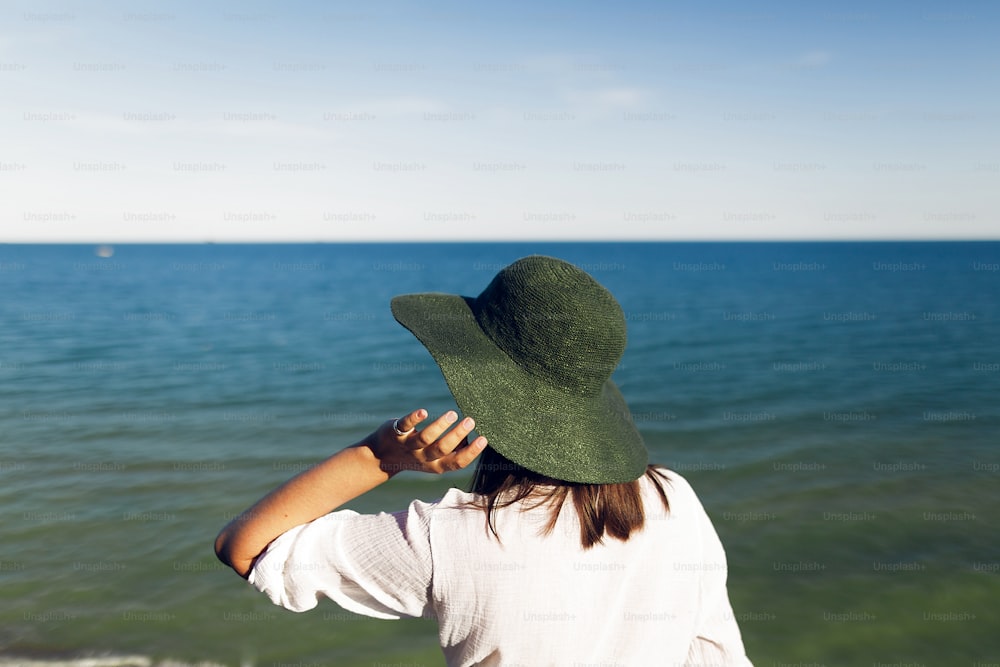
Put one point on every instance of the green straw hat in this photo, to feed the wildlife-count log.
(530, 359)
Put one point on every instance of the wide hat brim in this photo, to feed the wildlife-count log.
(542, 427)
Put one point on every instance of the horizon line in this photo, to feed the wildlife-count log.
(110, 242)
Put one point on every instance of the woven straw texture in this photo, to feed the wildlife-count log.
(530, 359)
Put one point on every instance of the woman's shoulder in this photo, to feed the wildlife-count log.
(454, 500)
(457, 504)
(678, 490)
(672, 477)
(672, 482)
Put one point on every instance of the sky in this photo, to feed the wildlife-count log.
(152, 121)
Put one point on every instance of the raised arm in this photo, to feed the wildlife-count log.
(344, 476)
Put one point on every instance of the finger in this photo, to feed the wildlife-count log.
(456, 436)
(462, 457)
(451, 440)
(433, 431)
(411, 420)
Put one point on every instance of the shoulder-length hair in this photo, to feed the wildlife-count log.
(613, 509)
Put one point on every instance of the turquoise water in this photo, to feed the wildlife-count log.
(835, 406)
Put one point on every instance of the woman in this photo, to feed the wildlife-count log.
(568, 549)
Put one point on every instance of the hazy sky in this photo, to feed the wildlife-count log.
(193, 121)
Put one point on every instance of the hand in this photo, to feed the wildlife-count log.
(433, 449)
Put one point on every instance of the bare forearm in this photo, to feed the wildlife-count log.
(437, 448)
(307, 496)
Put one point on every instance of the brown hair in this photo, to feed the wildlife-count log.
(615, 509)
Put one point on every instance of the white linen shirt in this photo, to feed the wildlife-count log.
(659, 599)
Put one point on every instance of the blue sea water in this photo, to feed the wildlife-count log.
(834, 404)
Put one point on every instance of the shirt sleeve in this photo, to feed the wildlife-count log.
(372, 564)
(717, 641)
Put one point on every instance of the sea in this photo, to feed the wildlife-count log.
(835, 405)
